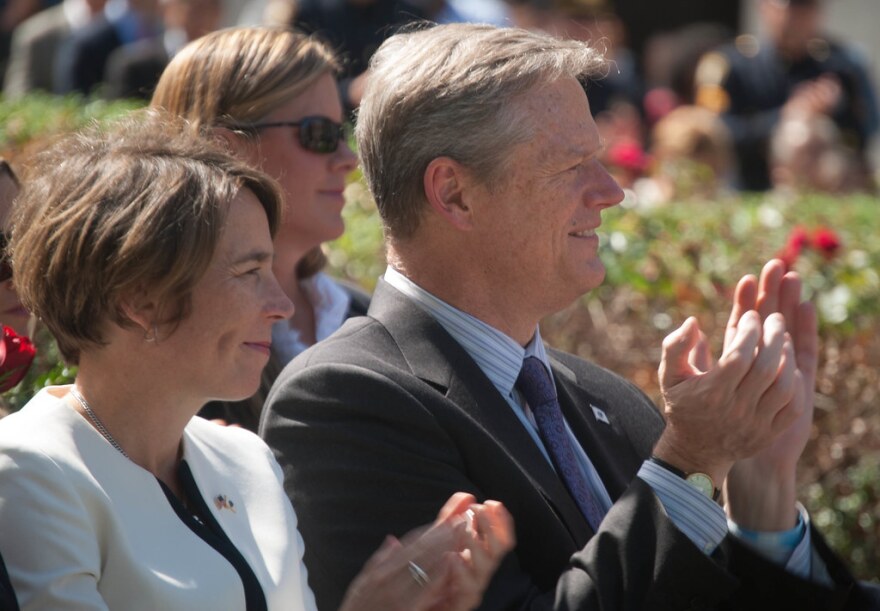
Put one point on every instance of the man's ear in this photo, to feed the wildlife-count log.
(446, 188)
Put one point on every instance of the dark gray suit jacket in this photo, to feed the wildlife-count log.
(377, 425)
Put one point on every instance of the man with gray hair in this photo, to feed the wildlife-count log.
(479, 148)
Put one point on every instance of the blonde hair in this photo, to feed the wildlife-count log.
(237, 76)
(453, 90)
(139, 204)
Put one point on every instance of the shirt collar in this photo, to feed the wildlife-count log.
(498, 355)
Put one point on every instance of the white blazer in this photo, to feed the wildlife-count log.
(83, 527)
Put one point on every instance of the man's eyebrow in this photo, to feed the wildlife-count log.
(585, 153)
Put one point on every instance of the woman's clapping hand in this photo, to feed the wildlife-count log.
(443, 567)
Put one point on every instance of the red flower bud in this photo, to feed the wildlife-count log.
(797, 241)
(826, 241)
(16, 355)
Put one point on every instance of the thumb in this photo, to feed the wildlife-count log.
(676, 362)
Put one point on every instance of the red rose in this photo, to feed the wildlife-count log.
(826, 242)
(797, 241)
(16, 355)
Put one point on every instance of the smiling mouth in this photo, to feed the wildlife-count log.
(585, 233)
(259, 346)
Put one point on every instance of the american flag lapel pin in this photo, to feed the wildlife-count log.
(221, 501)
(599, 414)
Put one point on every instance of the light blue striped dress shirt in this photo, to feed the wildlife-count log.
(500, 358)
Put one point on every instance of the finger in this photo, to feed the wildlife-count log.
(745, 298)
(465, 586)
(456, 505)
(789, 299)
(766, 366)
(502, 525)
(427, 547)
(481, 545)
(768, 287)
(675, 361)
(700, 358)
(792, 410)
(736, 361)
(426, 596)
(780, 394)
(429, 552)
(806, 343)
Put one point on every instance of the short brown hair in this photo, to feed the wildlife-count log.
(237, 76)
(135, 205)
(453, 90)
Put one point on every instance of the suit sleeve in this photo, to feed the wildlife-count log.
(47, 537)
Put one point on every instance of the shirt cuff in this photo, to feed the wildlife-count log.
(791, 549)
(698, 517)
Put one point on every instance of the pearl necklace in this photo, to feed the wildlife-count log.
(96, 421)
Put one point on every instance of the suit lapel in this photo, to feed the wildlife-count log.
(430, 352)
(606, 443)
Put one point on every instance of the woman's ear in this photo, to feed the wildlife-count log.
(445, 182)
(140, 309)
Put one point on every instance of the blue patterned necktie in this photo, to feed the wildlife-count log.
(535, 383)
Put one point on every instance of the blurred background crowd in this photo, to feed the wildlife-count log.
(700, 98)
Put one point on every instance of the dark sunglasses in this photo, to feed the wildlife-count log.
(316, 134)
(5, 267)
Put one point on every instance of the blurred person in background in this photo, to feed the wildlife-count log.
(595, 21)
(535, 15)
(81, 60)
(354, 29)
(12, 14)
(271, 92)
(692, 156)
(793, 70)
(36, 41)
(147, 251)
(134, 69)
(670, 62)
(807, 154)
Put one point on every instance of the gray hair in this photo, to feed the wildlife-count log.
(453, 90)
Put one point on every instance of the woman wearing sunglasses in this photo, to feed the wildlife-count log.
(272, 94)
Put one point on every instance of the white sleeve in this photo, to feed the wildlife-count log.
(48, 538)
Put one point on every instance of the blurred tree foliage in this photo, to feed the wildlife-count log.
(664, 264)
